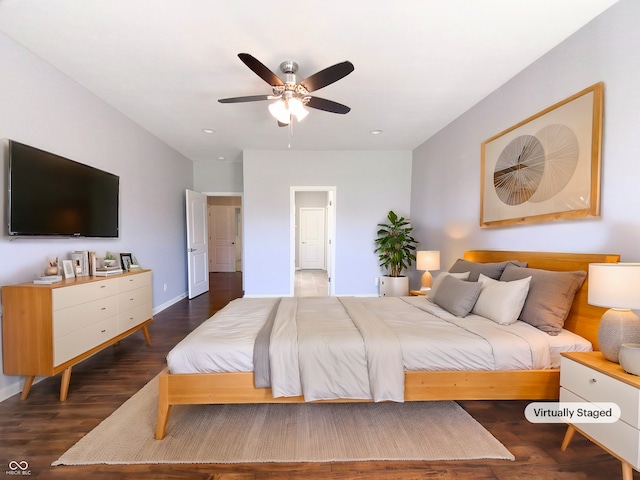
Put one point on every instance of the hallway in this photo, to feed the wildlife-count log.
(311, 283)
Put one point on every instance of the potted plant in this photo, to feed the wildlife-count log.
(395, 248)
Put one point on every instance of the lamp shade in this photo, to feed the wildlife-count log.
(428, 260)
(614, 285)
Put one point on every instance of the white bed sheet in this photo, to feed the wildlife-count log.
(224, 342)
(431, 338)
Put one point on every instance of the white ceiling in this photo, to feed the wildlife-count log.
(419, 64)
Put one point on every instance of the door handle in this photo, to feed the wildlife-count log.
(191, 250)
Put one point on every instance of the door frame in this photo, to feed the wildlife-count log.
(241, 195)
(331, 233)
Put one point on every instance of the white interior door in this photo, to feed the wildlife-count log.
(197, 247)
(222, 238)
(312, 238)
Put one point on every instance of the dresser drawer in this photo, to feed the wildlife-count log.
(133, 298)
(130, 282)
(86, 292)
(70, 319)
(594, 386)
(78, 342)
(133, 317)
(618, 437)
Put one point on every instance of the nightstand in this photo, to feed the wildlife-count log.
(588, 376)
(418, 293)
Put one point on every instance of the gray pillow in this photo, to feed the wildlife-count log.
(550, 296)
(457, 296)
(491, 270)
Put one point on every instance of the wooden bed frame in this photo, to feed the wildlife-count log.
(583, 319)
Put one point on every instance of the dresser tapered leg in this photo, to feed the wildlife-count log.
(568, 436)
(64, 384)
(27, 386)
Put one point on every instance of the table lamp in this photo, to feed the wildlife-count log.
(617, 286)
(427, 260)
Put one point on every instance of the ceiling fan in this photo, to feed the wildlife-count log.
(291, 96)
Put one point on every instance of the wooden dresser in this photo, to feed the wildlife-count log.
(46, 329)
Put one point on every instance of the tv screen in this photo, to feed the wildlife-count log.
(49, 195)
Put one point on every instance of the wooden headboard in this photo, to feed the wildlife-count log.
(583, 318)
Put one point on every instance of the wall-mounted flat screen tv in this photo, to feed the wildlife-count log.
(49, 195)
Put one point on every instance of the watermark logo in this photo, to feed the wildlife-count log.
(18, 468)
(572, 412)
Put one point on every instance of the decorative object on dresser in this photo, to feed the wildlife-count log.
(629, 357)
(427, 260)
(395, 247)
(616, 285)
(589, 377)
(47, 329)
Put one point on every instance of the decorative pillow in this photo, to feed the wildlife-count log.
(550, 296)
(501, 301)
(491, 270)
(457, 296)
(436, 283)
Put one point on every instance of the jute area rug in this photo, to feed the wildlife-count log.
(285, 433)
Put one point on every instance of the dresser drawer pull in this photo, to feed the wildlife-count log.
(103, 308)
(102, 331)
(102, 286)
(592, 380)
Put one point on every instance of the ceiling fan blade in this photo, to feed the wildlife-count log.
(260, 69)
(327, 76)
(250, 98)
(327, 105)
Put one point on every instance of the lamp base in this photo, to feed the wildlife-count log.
(427, 281)
(617, 327)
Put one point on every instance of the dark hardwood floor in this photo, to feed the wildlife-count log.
(39, 429)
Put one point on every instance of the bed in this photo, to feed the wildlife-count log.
(536, 381)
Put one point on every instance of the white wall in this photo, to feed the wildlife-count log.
(368, 185)
(41, 107)
(217, 176)
(445, 199)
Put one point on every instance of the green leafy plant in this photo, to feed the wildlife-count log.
(394, 245)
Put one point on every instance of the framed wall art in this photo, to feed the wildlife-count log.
(546, 167)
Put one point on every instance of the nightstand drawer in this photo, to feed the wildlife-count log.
(594, 386)
(618, 437)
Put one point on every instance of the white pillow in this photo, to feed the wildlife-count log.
(501, 302)
(431, 294)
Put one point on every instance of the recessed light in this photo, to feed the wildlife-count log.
(220, 158)
(375, 132)
(208, 130)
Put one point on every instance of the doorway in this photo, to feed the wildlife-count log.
(312, 241)
(225, 233)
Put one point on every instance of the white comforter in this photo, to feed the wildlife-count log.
(329, 347)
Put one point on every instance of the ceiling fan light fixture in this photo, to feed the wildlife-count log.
(296, 107)
(280, 111)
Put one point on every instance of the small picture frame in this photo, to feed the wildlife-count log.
(67, 269)
(126, 259)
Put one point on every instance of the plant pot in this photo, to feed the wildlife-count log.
(394, 286)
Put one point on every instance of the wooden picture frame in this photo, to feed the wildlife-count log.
(546, 167)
